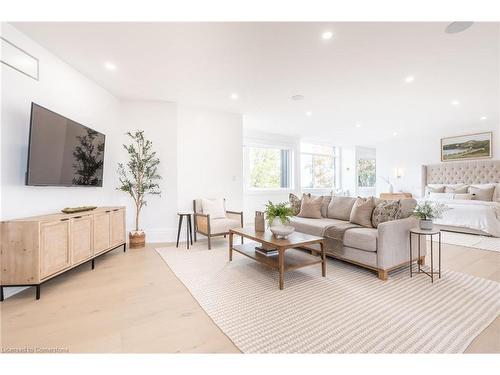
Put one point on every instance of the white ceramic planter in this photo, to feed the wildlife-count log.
(425, 224)
(279, 229)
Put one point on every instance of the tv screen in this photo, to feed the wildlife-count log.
(63, 152)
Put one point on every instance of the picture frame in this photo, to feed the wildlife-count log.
(467, 147)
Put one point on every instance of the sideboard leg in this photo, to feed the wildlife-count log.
(93, 263)
(124, 246)
(38, 291)
(1, 293)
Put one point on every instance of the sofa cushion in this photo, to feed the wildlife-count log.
(340, 208)
(313, 227)
(311, 207)
(361, 212)
(361, 238)
(223, 225)
(324, 206)
(296, 202)
(385, 211)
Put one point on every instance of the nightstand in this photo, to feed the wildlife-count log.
(394, 196)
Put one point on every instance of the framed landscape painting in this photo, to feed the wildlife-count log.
(466, 147)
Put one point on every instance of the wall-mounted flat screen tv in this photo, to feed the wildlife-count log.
(63, 152)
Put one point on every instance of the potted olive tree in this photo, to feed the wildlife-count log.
(139, 177)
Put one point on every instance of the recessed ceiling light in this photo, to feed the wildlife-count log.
(358, 125)
(409, 79)
(457, 27)
(395, 133)
(309, 113)
(484, 118)
(234, 96)
(297, 97)
(455, 103)
(327, 35)
(109, 66)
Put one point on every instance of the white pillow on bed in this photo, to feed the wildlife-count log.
(441, 196)
(463, 196)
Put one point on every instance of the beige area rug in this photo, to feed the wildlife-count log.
(470, 240)
(349, 311)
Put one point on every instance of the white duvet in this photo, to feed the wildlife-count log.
(479, 215)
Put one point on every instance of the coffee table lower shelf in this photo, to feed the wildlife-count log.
(294, 258)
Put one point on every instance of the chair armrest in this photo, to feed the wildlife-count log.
(235, 216)
(394, 243)
(202, 223)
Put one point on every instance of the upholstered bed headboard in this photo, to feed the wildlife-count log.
(470, 172)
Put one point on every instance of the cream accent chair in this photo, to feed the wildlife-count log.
(209, 227)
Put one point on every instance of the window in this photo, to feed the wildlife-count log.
(269, 167)
(366, 173)
(317, 166)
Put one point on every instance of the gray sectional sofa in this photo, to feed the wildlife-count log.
(382, 249)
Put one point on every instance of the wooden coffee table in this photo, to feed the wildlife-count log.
(294, 258)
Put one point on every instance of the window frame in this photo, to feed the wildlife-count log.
(334, 163)
(246, 166)
(358, 186)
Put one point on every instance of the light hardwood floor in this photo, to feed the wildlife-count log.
(132, 302)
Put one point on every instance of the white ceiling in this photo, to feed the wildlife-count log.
(356, 77)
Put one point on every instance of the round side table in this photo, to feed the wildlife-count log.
(425, 232)
(189, 231)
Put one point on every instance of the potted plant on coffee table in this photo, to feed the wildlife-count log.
(278, 219)
(139, 178)
(427, 211)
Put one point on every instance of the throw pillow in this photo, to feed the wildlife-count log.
(479, 194)
(311, 207)
(324, 205)
(457, 189)
(433, 189)
(406, 205)
(362, 210)
(214, 208)
(295, 203)
(340, 208)
(386, 211)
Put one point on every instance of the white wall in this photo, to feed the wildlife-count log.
(64, 90)
(411, 153)
(200, 151)
(209, 157)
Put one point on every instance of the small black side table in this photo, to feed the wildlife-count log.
(189, 231)
(425, 232)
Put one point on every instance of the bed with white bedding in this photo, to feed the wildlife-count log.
(472, 209)
(472, 215)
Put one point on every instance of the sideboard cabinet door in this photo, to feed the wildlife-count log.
(101, 232)
(54, 247)
(117, 226)
(81, 238)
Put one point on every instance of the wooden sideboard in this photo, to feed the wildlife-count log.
(36, 249)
